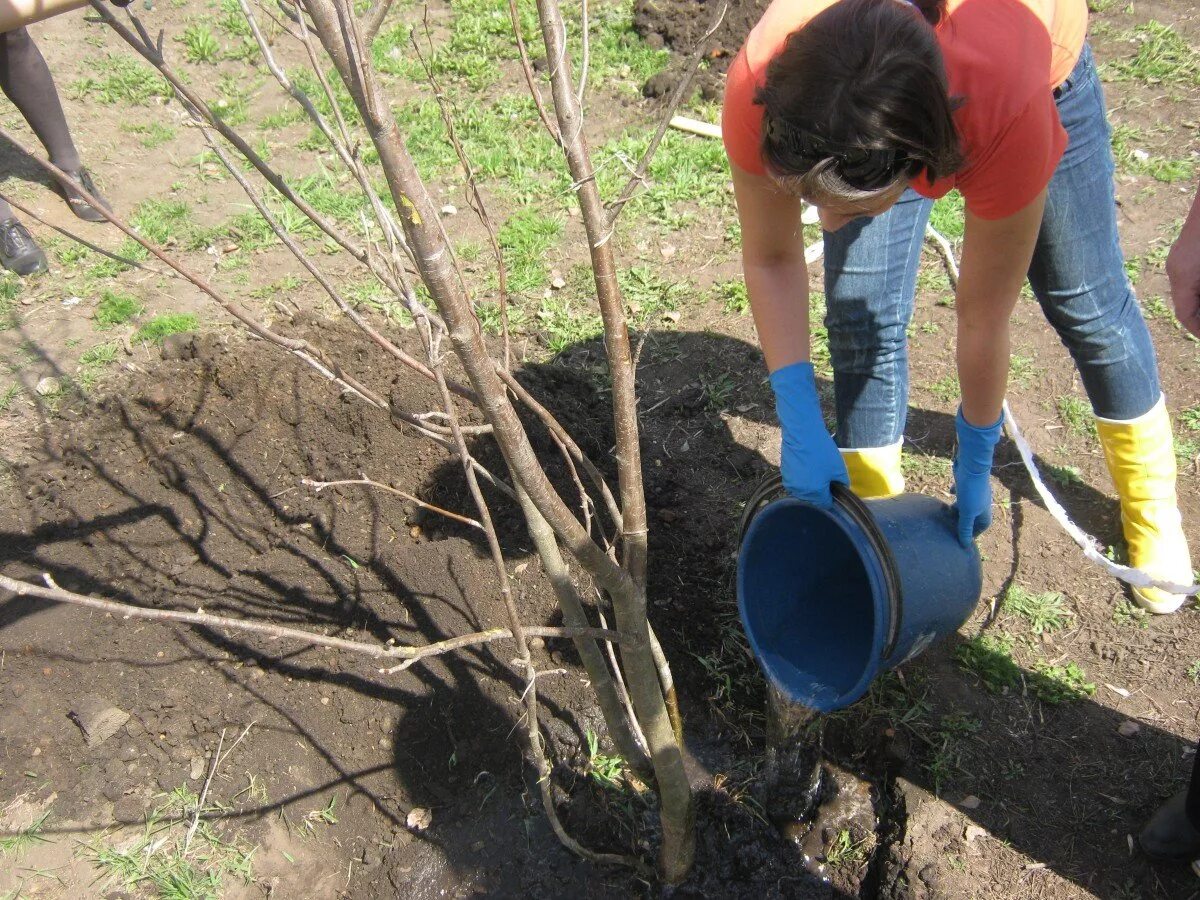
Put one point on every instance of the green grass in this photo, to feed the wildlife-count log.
(199, 43)
(1021, 370)
(1130, 615)
(1065, 476)
(1193, 671)
(1076, 414)
(8, 396)
(1163, 56)
(159, 861)
(563, 322)
(116, 309)
(1190, 418)
(1130, 156)
(153, 135)
(1060, 684)
(844, 853)
(945, 744)
(989, 658)
(125, 80)
(606, 770)
(683, 172)
(733, 296)
(161, 326)
(10, 289)
(948, 215)
(1045, 612)
(490, 319)
(232, 21)
(648, 296)
(163, 221)
(946, 389)
(17, 843)
(109, 268)
(93, 362)
(525, 239)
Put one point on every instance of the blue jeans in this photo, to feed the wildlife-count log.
(1077, 274)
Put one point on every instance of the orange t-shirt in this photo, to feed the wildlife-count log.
(1004, 57)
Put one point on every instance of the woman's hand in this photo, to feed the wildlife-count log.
(809, 460)
(973, 476)
(1183, 271)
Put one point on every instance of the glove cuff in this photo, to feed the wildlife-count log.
(976, 446)
(797, 375)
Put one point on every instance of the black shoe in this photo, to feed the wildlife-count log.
(82, 208)
(1170, 835)
(19, 253)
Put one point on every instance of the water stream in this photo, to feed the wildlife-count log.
(808, 798)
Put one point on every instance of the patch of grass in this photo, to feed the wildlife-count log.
(946, 746)
(326, 815)
(846, 853)
(1060, 684)
(1065, 475)
(1021, 369)
(109, 268)
(10, 289)
(606, 770)
(946, 389)
(564, 323)
(158, 859)
(923, 465)
(525, 238)
(161, 326)
(125, 80)
(1190, 417)
(1076, 415)
(1163, 56)
(17, 843)
(153, 135)
(989, 658)
(1193, 671)
(733, 296)
(233, 99)
(94, 360)
(8, 396)
(1130, 615)
(1045, 612)
(163, 221)
(490, 320)
(116, 309)
(949, 215)
(648, 295)
(232, 21)
(1156, 308)
(199, 43)
(683, 172)
(1132, 158)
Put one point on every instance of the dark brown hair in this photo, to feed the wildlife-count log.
(857, 101)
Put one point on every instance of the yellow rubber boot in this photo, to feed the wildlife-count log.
(1141, 460)
(875, 471)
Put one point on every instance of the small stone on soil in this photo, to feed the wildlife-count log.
(970, 802)
(47, 386)
(419, 818)
(1128, 728)
(97, 719)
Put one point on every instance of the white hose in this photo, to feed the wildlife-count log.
(1089, 545)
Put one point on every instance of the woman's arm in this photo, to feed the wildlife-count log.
(775, 271)
(995, 260)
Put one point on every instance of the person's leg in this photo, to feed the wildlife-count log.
(1173, 832)
(27, 82)
(870, 282)
(1078, 275)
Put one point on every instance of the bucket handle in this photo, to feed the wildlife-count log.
(771, 488)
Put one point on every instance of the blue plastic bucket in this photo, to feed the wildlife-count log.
(831, 598)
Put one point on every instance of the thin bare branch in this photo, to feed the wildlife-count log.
(530, 79)
(66, 232)
(637, 179)
(474, 196)
(363, 480)
(378, 651)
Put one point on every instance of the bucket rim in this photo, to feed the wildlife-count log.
(884, 591)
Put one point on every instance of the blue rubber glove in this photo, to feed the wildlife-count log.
(972, 476)
(810, 461)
